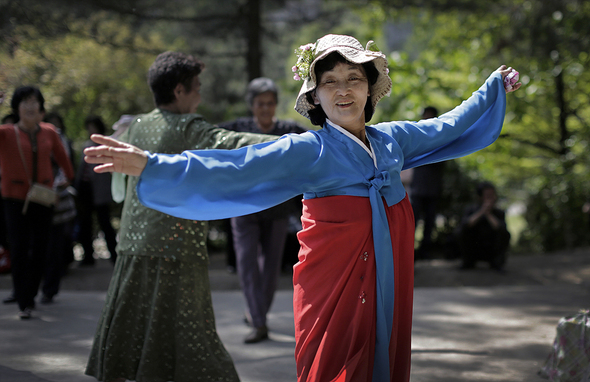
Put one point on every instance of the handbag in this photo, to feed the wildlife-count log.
(569, 360)
(65, 208)
(38, 193)
(41, 194)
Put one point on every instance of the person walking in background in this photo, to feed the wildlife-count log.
(259, 238)
(425, 192)
(94, 197)
(4, 251)
(8, 119)
(26, 151)
(483, 235)
(353, 284)
(60, 247)
(157, 323)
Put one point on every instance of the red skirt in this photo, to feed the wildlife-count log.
(334, 297)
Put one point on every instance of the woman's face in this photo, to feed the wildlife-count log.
(342, 92)
(264, 107)
(29, 111)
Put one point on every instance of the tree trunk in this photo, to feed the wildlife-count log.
(253, 33)
(563, 112)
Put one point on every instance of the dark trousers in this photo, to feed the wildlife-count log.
(55, 262)
(259, 245)
(490, 246)
(28, 237)
(86, 209)
(424, 208)
(3, 239)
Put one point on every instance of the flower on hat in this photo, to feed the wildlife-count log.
(305, 56)
(511, 79)
(372, 46)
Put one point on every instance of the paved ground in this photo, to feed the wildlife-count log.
(468, 325)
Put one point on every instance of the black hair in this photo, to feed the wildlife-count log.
(9, 118)
(258, 86)
(482, 186)
(317, 116)
(22, 93)
(54, 115)
(97, 122)
(431, 110)
(170, 69)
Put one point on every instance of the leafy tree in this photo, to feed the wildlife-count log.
(92, 57)
(79, 77)
(543, 148)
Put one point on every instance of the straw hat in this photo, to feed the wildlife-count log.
(351, 49)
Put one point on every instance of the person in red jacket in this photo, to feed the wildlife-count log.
(26, 149)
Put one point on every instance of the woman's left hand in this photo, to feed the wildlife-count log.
(510, 78)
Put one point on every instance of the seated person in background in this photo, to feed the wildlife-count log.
(482, 234)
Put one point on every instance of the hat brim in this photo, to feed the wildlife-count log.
(379, 89)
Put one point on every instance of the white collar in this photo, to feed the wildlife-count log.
(369, 149)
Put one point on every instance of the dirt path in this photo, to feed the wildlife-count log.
(558, 268)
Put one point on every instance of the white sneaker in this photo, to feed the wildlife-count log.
(25, 314)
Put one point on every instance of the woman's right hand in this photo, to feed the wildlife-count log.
(115, 156)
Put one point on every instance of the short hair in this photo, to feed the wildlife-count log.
(97, 122)
(54, 115)
(23, 92)
(258, 86)
(430, 110)
(482, 186)
(317, 116)
(9, 118)
(170, 69)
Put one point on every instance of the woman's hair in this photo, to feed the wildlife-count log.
(22, 93)
(482, 186)
(170, 69)
(317, 116)
(258, 86)
(52, 116)
(9, 118)
(97, 122)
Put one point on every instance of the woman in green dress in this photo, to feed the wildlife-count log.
(158, 323)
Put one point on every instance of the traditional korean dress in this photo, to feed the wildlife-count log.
(354, 280)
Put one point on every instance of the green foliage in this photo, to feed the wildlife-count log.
(92, 58)
(544, 142)
(555, 207)
(79, 77)
(459, 184)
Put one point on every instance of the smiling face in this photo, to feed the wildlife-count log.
(342, 93)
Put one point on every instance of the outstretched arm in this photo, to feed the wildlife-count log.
(469, 127)
(115, 156)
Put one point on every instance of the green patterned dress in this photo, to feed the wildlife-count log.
(157, 323)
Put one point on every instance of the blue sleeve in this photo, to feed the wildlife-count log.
(216, 184)
(471, 126)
